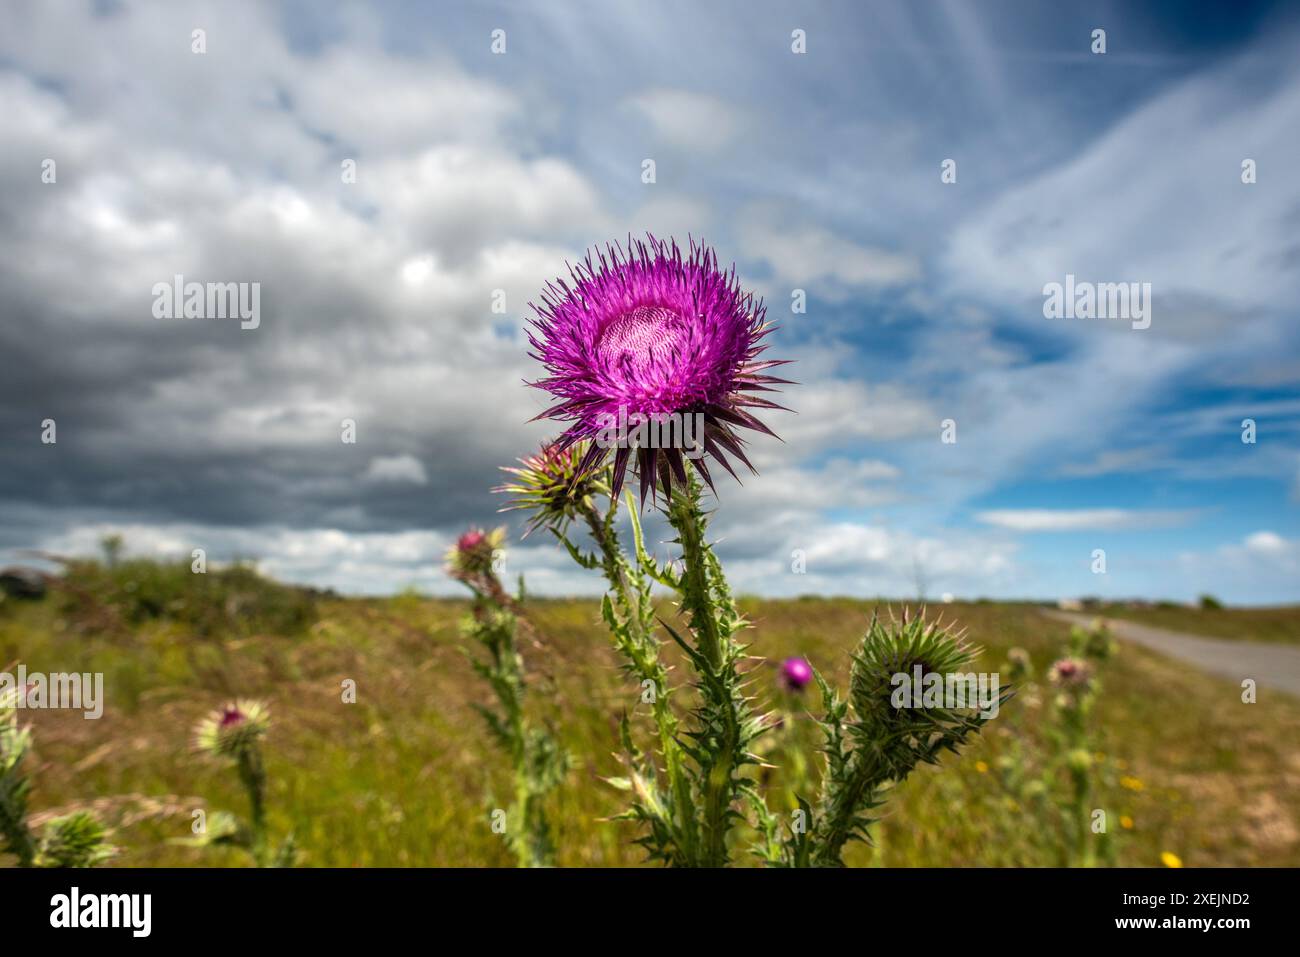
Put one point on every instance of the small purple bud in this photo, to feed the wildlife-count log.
(796, 673)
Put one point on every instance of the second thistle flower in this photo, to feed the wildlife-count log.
(551, 486)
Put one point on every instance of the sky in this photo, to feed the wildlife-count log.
(480, 174)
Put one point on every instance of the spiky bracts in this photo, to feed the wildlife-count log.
(551, 487)
(648, 335)
(882, 743)
(78, 839)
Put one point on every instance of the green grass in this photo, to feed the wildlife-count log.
(1280, 624)
(407, 774)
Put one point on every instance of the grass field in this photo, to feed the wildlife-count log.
(1280, 624)
(406, 775)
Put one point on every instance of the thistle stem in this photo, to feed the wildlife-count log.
(686, 518)
(724, 713)
(839, 817)
(253, 777)
(632, 596)
(17, 837)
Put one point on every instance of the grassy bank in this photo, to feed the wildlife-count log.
(1280, 624)
(406, 775)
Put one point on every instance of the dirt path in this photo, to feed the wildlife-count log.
(1272, 666)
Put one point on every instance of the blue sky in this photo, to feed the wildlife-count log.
(818, 171)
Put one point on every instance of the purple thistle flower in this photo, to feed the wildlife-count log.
(796, 673)
(647, 334)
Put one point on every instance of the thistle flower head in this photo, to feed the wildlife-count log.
(795, 674)
(1070, 673)
(474, 552)
(645, 335)
(233, 728)
(550, 485)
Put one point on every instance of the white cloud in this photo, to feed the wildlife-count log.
(825, 264)
(1267, 543)
(397, 468)
(352, 563)
(1112, 461)
(690, 121)
(1081, 520)
(840, 483)
(867, 560)
(1262, 568)
(839, 413)
(387, 104)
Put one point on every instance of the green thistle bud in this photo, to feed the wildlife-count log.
(908, 735)
(890, 737)
(74, 840)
